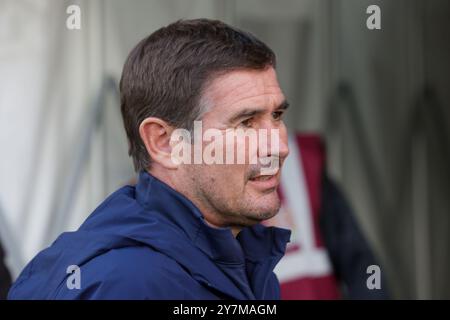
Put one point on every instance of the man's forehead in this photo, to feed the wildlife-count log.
(245, 86)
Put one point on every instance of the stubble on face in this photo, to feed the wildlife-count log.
(230, 203)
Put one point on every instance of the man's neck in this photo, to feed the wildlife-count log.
(234, 229)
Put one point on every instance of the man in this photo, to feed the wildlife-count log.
(186, 230)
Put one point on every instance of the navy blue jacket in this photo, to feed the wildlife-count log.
(151, 242)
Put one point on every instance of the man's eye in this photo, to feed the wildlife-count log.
(246, 122)
(277, 115)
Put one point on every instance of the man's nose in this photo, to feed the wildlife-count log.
(273, 142)
(284, 147)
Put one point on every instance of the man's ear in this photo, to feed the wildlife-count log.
(155, 133)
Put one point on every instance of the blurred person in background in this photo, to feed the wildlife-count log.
(328, 255)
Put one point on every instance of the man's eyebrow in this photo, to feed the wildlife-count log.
(283, 106)
(246, 113)
(251, 112)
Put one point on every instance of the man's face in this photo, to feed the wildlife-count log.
(238, 194)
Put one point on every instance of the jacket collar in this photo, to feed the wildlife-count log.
(255, 245)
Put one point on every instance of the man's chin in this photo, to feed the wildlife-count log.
(265, 212)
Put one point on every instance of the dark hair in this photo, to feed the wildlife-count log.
(164, 75)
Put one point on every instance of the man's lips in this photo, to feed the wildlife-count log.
(265, 182)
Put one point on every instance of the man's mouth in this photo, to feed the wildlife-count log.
(262, 178)
(264, 182)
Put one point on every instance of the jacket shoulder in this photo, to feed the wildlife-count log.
(130, 273)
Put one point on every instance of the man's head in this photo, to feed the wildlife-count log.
(205, 70)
